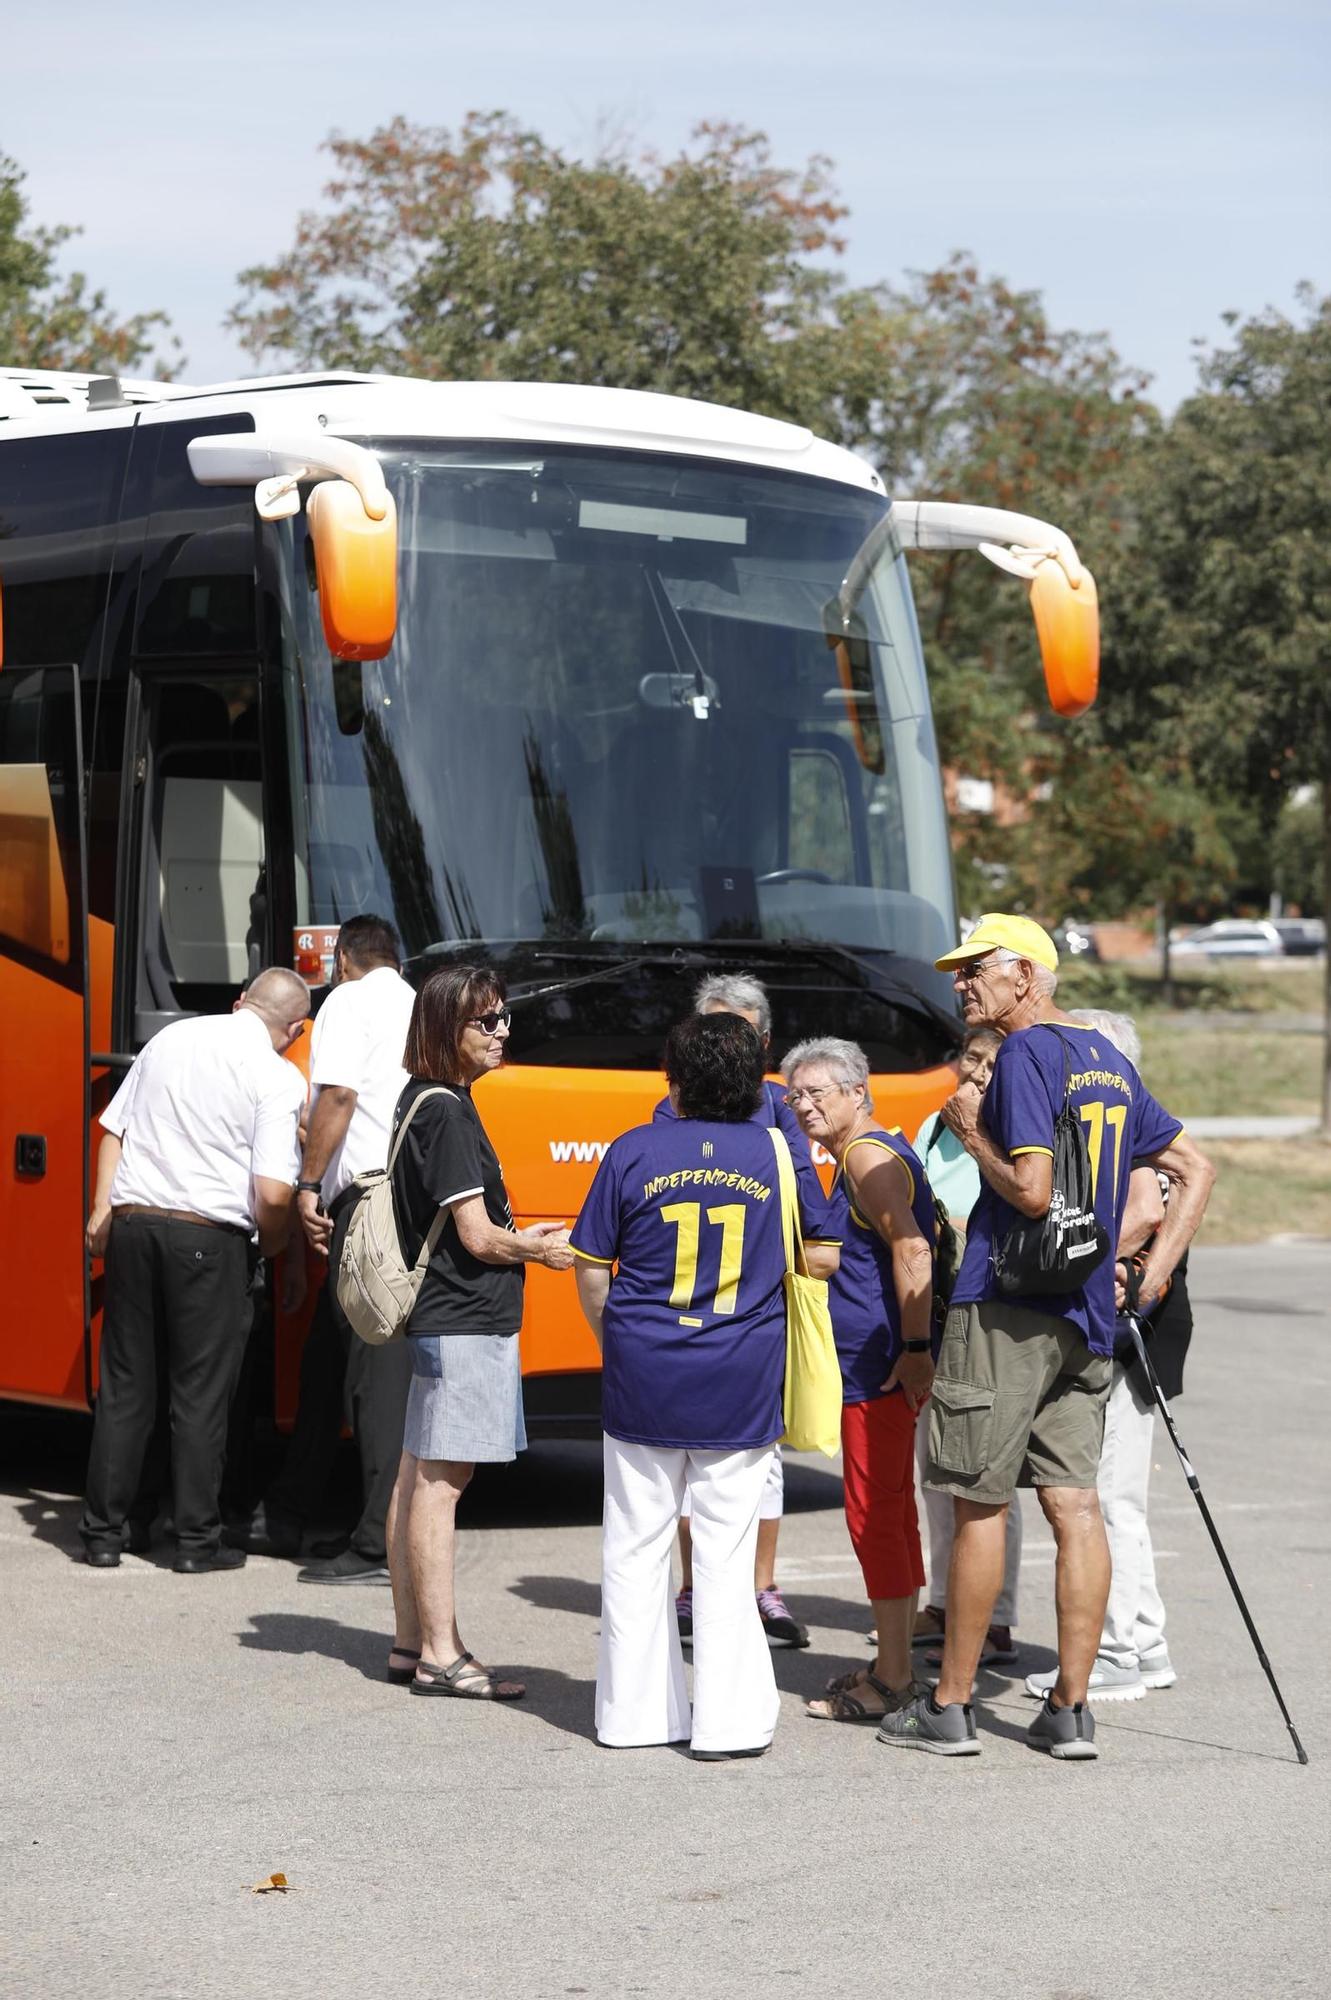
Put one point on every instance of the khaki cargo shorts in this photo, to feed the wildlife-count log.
(1018, 1399)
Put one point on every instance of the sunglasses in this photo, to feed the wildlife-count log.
(490, 1024)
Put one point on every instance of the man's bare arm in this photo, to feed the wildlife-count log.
(1025, 1182)
(272, 1214)
(1191, 1178)
(1143, 1212)
(99, 1222)
(333, 1110)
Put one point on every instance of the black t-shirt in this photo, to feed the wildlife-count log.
(445, 1157)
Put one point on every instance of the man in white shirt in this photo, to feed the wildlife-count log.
(356, 1078)
(198, 1162)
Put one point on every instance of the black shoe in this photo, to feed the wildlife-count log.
(269, 1532)
(200, 1562)
(346, 1568)
(102, 1558)
(337, 1545)
(725, 1756)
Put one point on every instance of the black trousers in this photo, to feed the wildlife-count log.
(177, 1312)
(341, 1378)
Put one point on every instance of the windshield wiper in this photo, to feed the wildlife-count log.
(882, 984)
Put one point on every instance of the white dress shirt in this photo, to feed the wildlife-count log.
(208, 1106)
(357, 1044)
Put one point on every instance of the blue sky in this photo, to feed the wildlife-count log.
(1145, 166)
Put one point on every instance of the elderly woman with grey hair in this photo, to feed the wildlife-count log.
(881, 1298)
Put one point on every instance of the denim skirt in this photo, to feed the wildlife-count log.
(465, 1400)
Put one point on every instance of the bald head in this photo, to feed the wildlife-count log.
(281, 999)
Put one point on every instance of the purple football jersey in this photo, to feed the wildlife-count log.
(1124, 1125)
(694, 1334)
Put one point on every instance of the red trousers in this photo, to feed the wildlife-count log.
(878, 1456)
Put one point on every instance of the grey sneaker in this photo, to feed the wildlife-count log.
(1157, 1669)
(917, 1725)
(1068, 1733)
(1109, 1682)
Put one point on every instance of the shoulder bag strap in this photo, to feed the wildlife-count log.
(791, 1233)
(436, 1228)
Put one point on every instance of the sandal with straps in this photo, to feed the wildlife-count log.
(843, 1706)
(402, 1676)
(464, 1679)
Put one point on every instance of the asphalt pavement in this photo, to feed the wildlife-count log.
(167, 1742)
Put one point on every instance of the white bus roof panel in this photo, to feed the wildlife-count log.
(386, 406)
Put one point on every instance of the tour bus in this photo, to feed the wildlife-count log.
(613, 690)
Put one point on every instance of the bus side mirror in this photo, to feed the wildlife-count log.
(355, 561)
(1067, 622)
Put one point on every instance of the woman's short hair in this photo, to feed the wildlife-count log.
(982, 1033)
(715, 1062)
(735, 991)
(448, 1001)
(845, 1062)
(1120, 1029)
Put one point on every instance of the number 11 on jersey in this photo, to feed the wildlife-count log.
(686, 1216)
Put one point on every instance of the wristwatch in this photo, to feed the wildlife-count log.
(309, 1187)
(916, 1346)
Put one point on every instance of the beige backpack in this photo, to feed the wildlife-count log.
(375, 1287)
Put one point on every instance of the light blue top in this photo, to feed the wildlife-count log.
(953, 1174)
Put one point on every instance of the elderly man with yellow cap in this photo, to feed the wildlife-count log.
(1022, 1381)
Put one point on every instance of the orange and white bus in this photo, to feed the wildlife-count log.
(613, 689)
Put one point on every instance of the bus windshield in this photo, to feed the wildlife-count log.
(614, 716)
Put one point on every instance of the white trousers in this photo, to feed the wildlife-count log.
(1135, 1617)
(941, 1521)
(773, 1503)
(641, 1693)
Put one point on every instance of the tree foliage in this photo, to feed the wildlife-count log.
(53, 321)
(489, 253)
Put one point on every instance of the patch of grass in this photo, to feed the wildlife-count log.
(1278, 987)
(1267, 1187)
(1230, 1072)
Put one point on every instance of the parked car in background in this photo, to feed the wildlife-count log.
(1232, 937)
(1300, 937)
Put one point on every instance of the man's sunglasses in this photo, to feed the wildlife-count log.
(489, 1024)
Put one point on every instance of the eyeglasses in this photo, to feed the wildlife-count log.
(976, 968)
(491, 1023)
(814, 1096)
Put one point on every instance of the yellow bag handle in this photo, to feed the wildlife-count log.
(791, 1233)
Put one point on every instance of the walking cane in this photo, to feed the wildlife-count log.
(1138, 1341)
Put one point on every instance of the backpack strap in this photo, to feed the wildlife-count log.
(436, 1228)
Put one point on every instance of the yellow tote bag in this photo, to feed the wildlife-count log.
(813, 1375)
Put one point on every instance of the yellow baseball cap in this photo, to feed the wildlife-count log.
(996, 932)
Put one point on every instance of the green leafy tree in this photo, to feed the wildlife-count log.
(1223, 627)
(1297, 862)
(50, 321)
(489, 253)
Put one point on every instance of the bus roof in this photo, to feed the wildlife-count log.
(36, 402)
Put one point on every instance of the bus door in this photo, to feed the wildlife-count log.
(200, 925)
(44, 1046)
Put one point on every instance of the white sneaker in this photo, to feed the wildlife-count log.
(1157, 1669)
(1108, 1682)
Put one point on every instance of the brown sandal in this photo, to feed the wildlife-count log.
(846, 1707)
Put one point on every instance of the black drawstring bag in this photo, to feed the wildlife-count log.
(1057, 1251)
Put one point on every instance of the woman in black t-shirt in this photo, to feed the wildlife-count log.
(465, 1403)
